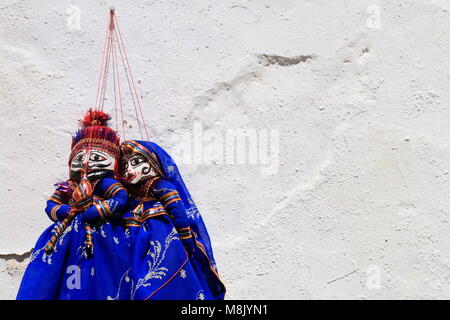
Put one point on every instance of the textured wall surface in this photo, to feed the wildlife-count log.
(343, 191)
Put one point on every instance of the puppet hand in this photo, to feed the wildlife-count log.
(79, 206)
(91, 214)
(63, 212)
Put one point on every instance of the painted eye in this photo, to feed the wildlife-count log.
(96, 157)
(134, 162)
(79, 157)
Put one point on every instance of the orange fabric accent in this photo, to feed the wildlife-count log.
(186, 237)
(210, 266)
(173, 276)
(172, 200)
(99, 209)
(53, 212)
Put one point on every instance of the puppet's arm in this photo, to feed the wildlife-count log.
(166, 192)
(56, 208)
(56, 211)
(115, 201)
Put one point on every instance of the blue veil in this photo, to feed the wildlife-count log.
(166, 166)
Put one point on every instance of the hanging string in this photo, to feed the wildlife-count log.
(116, 70)
(108, 59)
(131, 76)
(102, 67)
(115, 102)
(132, 95)
(105, 82)
(114, 42)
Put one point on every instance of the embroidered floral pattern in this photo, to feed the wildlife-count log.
(192, 212)
(125, 277)
(157, 253)
(200, 295)
(48, 257)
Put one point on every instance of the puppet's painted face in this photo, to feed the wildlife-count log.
(136, 168)
(98, 163)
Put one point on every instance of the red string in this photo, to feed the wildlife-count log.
(116, 70)
(97, 102)
(129, 86)
(131, 75)
(110, 49)
(105, 74)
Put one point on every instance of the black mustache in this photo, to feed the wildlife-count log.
(99, 165)
(95, 165)
(92, 175)
(98, 174)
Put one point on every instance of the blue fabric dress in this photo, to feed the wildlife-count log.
(69, 272)
(171, 251)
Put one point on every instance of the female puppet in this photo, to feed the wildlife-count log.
(84, 254)
(171, 251)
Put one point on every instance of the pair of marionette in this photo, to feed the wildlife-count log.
(125, 227)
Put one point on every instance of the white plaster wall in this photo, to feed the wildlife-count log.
(356, 203)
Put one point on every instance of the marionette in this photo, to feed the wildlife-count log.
(84, 254)
(171, 251)
(103, 243)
